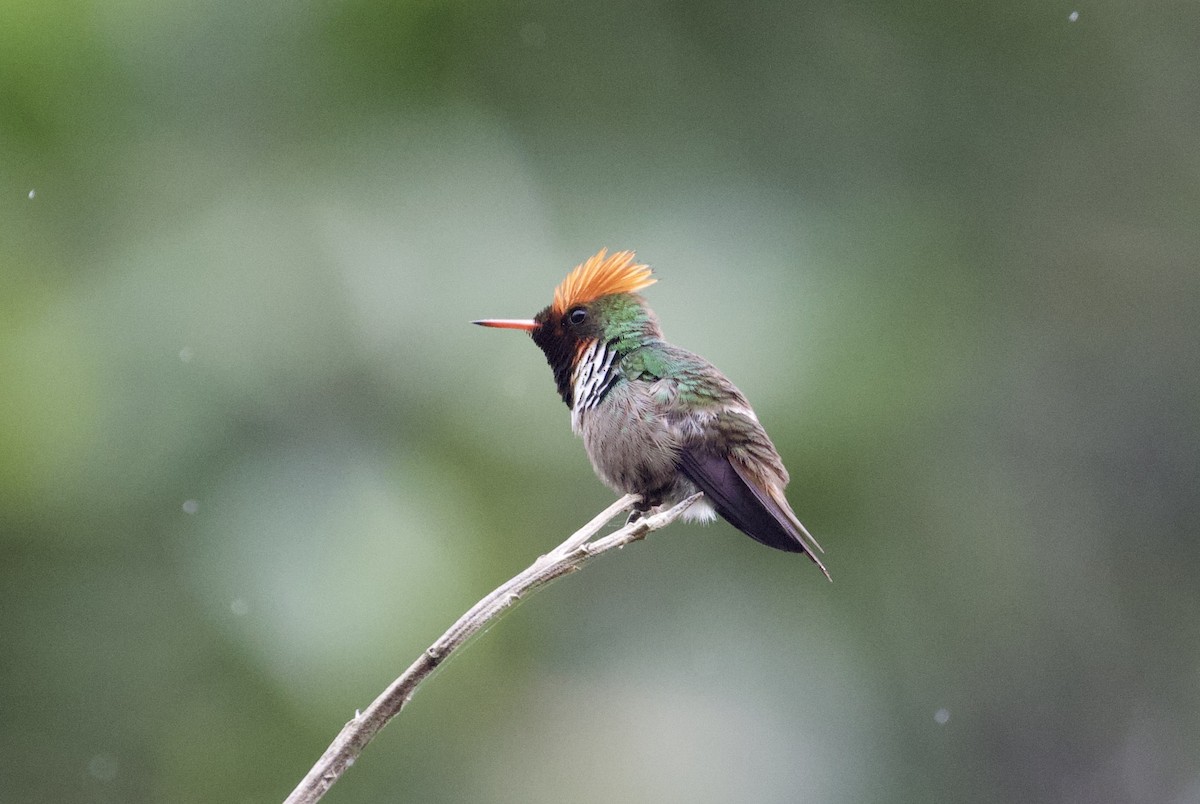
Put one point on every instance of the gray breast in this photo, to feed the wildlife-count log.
(632, 448)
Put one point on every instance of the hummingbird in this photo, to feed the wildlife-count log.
(657, 420)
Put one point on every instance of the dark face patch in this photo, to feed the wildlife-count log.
(559, 336)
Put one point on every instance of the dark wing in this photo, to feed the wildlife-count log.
(738, 499)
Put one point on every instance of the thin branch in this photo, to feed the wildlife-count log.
(568, 557)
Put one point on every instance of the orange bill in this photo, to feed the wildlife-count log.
(529, 325)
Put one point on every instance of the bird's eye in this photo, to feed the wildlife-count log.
(577, 316)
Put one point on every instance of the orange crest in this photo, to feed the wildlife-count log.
(601, 275)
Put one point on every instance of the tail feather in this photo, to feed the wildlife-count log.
(752, 509)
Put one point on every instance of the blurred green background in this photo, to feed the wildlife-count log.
(253, 459)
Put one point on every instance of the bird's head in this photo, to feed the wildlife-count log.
(597, 301)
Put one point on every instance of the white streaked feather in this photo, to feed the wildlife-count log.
(742, 410)
(592, 378)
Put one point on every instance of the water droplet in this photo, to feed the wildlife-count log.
(190, 506)
(103, 767)
(185, 354)
(32, 194)
(941, 717)
(1074, 15)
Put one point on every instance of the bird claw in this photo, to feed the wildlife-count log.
(644, 507)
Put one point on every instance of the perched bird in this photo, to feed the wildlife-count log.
(657, 420)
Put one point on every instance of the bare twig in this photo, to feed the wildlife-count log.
(564, 559)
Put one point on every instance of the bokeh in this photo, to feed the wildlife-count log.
(253, 458)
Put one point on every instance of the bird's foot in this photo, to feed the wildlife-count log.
(642, 507)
